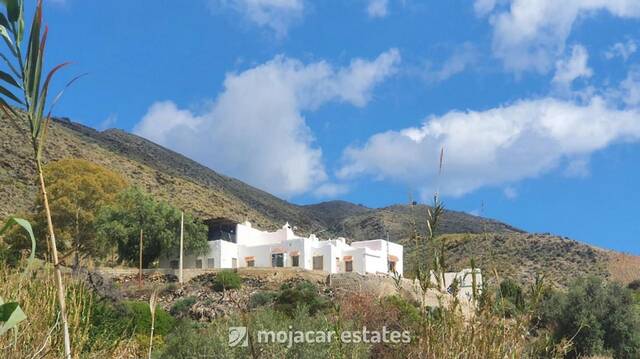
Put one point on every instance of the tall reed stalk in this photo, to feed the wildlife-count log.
(153, 303)
(26, 75)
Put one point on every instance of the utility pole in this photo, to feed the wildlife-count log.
(181, 245)
(140, 271)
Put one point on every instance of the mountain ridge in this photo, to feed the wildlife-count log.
(305, 217)
(208, 194)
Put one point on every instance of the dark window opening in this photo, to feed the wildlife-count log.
(318, 263)
(221, 228)
(277, 260)
(348, 266)
(295, 261)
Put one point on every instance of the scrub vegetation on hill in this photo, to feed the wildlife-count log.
(528, 306)
(185, 184)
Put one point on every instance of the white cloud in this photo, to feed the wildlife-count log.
(462, 57)
(108, 122)
(483, 7)
(510, 192)
(277, 15)
(378, 8)
(622, 49)
(572, 67)
(626, 92)
(630, 88)
(255, 129)
(531, 34)
(330, 190)
(495, 147)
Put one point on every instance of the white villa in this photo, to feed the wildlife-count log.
(245, 246)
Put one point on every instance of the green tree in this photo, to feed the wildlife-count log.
(510, 298)
(599, 317)
(77, 190)
(134, 211)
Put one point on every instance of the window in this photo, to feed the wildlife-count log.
(337, 264)
(318, 263)
(251, 263)
(211, 262)
(198, 263)
(392, 266)
(348, 266)
(174, 264)
(277, 260)
(295, 261)
(234, 262)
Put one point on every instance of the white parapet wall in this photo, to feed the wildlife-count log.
(465, 282)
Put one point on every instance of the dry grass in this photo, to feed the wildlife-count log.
(447, 333)
(623, 268)
(40, 336)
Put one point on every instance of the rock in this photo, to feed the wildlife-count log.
(101, 285)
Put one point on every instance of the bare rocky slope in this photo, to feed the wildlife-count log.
(208, 194)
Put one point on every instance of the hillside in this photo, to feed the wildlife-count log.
(188, 184)
(208, 194)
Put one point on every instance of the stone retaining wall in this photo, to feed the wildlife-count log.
(191, 273)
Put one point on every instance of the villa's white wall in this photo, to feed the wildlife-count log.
(397, 250)
(377, 255)
(249, 236)
(227, 252)
(189, 260)
(367, 256)
(375, 262)
(329, 253)
(262, 253)
(357, 258)
(309, 247)
(221, 251)
(373, 244)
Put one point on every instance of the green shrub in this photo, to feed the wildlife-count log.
(211, 340)
(600, 317)
(226, 280)
(110, 323)
(262, 298)
(9, 255)
(510, 298)
(189, 340)
(408, 312)
(141, 316)
(302, 294)
(634, 285)
(181, 306)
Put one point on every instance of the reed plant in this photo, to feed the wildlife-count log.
(24, 99)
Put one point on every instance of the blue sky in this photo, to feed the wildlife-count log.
(536, 103)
